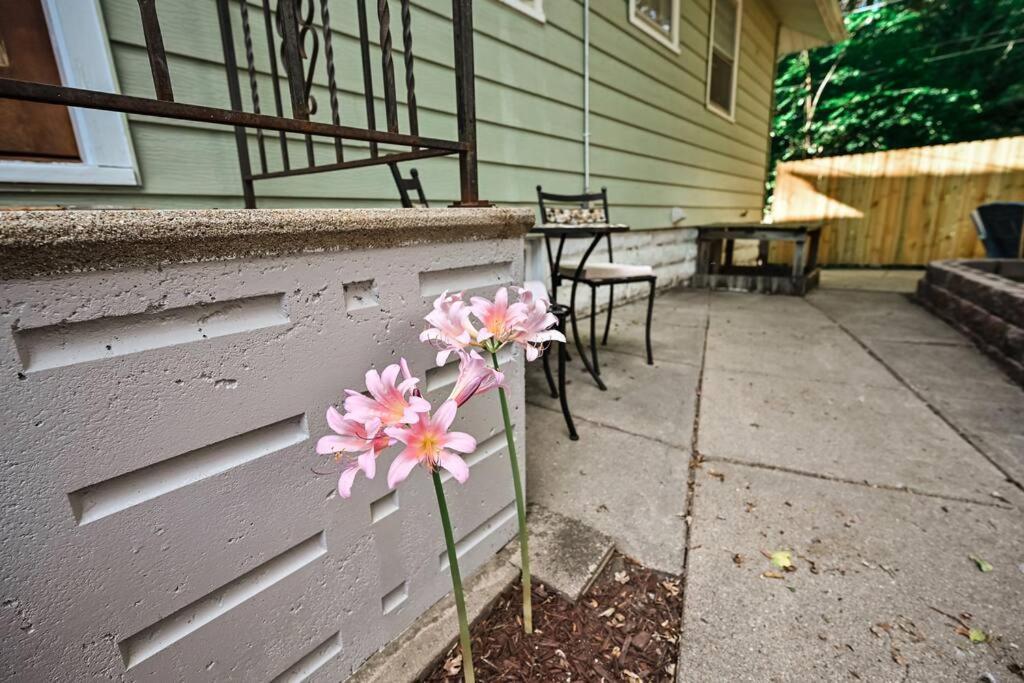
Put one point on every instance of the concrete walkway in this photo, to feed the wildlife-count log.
(850, 428)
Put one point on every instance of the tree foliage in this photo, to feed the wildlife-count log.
(912, 73)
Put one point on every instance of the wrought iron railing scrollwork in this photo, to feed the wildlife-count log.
(293, 52)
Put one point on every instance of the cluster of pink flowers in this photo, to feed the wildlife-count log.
(526, 323)
(395, 411)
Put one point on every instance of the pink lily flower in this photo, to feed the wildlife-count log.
(475, 377)
(427, 442)
(352, 436)
(498, 317)
(388, 403)
(450, 327)
(534, 329)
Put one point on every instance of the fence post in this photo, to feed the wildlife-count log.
(465, 102)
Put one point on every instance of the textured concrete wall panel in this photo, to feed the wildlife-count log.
(161, 517)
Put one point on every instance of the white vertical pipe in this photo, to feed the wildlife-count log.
(586, 95)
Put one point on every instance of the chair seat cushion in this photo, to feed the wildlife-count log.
(603, 270)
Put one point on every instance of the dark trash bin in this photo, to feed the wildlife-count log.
(999, 228)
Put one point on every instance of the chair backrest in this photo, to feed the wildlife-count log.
(407, 185)
(579, 211)
(999, 227)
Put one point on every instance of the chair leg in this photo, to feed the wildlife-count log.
(608, 320)
(650, 314)
(562, 355)
(593, 330)
(547, 374)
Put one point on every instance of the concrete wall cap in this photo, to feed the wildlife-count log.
(34, 243)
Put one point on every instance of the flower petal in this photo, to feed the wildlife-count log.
(400, 468)
(390, 375)
(419, 404)
(459, 441)
(455, 465)
(374, 385)
(336, 422)
(331, 444)
(445, 415)
(345, 481)
(368, 463)
(399, 434)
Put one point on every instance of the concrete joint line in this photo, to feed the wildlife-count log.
(578, 418)
(854, 482)
(938, 413)
(691, 478)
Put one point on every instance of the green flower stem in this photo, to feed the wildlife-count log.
(524, 544)
(453, 566)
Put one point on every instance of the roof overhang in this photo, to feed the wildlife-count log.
(806, 24)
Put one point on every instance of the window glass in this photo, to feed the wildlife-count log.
(723, 50)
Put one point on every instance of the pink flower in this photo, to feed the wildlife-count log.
(475, 377)
(534, 329)
(498, 317)
(387, 402)
(353, 437)
(427, 442)
(450, 328)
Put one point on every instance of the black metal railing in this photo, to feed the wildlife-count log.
(293, 32)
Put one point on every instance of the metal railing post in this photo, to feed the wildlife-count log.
(235, 95)
(465, 102)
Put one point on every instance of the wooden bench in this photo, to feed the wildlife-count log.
(716, 270)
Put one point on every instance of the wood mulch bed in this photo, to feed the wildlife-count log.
(625, 628)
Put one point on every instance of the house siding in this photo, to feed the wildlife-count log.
(653, 142)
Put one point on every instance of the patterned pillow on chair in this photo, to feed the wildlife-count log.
(574, 216)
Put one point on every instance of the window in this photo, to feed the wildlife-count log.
(533, 8)
(658, 19)
(723, 57)
(60, 41)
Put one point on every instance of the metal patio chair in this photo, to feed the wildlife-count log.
(594, 274)
(412, 186)
(407, 185)
(999, 226)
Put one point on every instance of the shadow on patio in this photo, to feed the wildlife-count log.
(851, 428)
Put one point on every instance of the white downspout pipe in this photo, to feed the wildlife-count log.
(586, 95)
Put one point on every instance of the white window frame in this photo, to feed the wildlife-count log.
(531, 8)
(83, 57)
(671, 42)
(712, 106)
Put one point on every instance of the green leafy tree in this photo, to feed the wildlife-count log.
(912, 73)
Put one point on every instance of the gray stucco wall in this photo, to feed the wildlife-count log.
(162, 519)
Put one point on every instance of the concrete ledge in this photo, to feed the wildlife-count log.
(36, 243)
(421, 645)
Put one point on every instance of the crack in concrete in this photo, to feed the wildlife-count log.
(921, 397)
(691, 478)
(855, 482)
(579, 418)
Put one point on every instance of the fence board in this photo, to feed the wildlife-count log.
(901, 207)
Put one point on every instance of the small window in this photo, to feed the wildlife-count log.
(723, 56)
(658, 19)
(533, 8)
(65, 42)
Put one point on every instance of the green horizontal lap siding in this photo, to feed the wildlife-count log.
(654, 144)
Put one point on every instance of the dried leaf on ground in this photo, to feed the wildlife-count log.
(983, 565)
(782, 559)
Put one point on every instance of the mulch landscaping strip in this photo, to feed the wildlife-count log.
(625, 628)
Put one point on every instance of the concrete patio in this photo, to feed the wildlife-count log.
(851, 428)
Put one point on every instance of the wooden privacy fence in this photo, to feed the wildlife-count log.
(901, 207)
